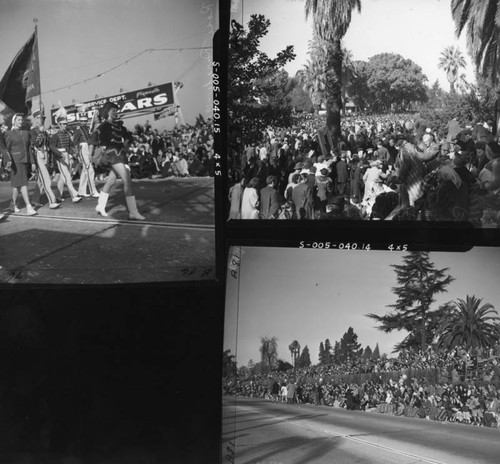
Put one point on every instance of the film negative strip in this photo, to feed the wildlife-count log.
(274, 142)
(349, 351)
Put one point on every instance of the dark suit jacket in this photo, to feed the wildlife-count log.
(269, 202)
(302, 197)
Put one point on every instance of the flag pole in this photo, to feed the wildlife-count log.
(40, 104)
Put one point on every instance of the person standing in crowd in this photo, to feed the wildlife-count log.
(250, 200)
(39, 144)
(269, 199)
(114, 139)
(60, 145)
(235, 197)
(342, 174)
(410, 173)
(82, 142)
(302, 197)
(17, 148)
(429, 152)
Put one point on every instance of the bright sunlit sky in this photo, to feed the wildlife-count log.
(310, 295)
(79, 39)
(418, 30)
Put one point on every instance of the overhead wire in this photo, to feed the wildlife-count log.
(84, 81)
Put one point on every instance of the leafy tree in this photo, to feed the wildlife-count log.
(418, 281)
(331, 19)
(470, 325)
(294, 348)
(350, 349)
(376, 353)
(394, 80)
(298, 98)
(283, 366)
(451, 61)
(304, 358)
(269, 352)
(252, 84)
(228, 364)
(357, 86)
(481, 20)
(367, 353)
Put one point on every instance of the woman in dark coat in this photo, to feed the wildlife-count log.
(17, 145)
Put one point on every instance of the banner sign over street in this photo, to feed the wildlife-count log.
(147, 100)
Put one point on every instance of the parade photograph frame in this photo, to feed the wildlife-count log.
(379, 110)
(397, 374)
(110, 176)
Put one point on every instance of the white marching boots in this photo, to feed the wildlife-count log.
(132, 209)
(101, 203)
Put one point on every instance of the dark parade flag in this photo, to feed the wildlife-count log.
(21, 82)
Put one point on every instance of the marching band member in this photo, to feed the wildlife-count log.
(39, 142)
(82, 140)
(114, 139)
(17, 146)
(60, 145)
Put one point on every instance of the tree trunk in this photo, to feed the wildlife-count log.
(334, 91)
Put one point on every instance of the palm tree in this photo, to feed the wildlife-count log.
(470, 325)
(348, 74)
(294, 348)
(331, 21)
(451, 60)
(268, 351)
(228, 364)
(481, 19)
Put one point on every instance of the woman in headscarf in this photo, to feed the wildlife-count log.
(17, 144)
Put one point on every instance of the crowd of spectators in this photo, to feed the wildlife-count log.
(456, 386)
(388, 167)
(186, 151)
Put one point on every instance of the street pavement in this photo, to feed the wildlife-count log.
(75, 245)
(260, 431)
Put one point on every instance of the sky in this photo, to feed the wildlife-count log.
(418, 30)
(310, 295)
(79, 39)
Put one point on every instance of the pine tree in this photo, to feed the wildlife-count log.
(350, 349)
(304, 358)
(328, 352)
(336, 354)
(321, 355)
(367, 353)
(376, 353)
(418, 281)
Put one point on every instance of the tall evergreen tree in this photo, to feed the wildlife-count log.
(304, 358)
(350, 349)
(367, 353)
(328, 352)
(321, 355)
(336, 354)
(376, 353)
(418, 281)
